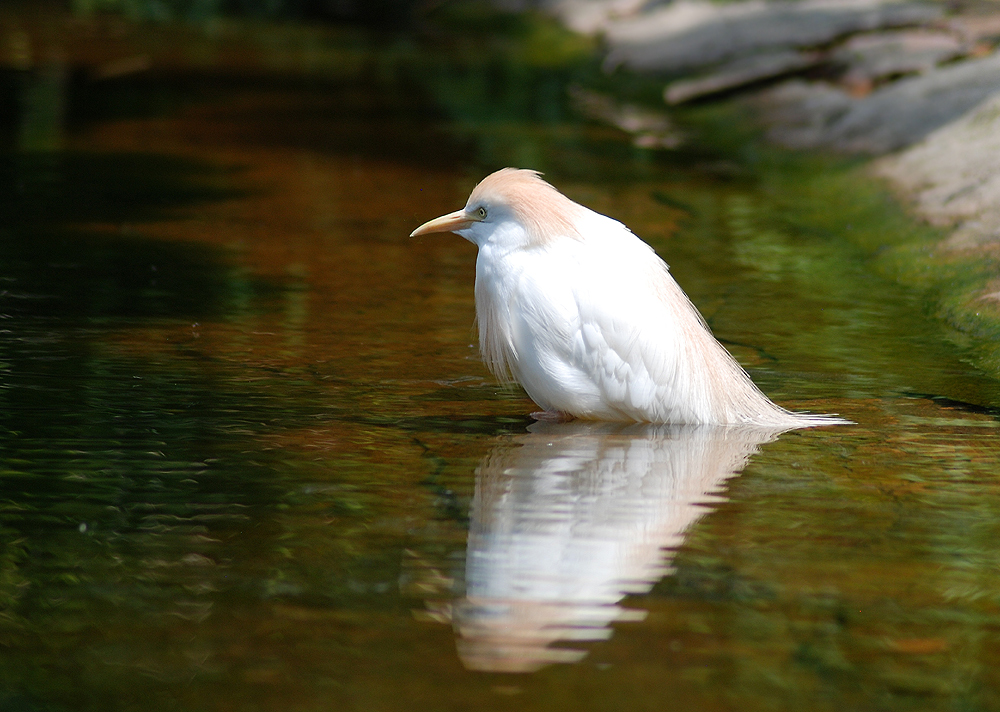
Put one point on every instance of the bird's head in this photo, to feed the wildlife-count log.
(512, 208)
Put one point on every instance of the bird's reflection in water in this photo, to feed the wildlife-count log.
(570, 518)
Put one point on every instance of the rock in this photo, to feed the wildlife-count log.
(977, 28)
(590, 17)
(689, 34)
(740, 73)
(649, 129)
(892, 117)
(873, 57)
(953, 175)
(800, 113)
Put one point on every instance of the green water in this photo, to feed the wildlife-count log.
(251, 461)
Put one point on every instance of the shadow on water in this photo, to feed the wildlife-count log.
(284, 109)
(75, 264)
(46, 188)
(109, 453)
(93, 277)
(72, 245)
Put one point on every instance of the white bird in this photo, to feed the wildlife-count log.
(587, 318)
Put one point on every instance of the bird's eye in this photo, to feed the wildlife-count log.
(482, 213)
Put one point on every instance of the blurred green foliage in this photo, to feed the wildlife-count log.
(378, 12)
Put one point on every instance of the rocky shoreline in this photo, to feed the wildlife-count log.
(913, 85)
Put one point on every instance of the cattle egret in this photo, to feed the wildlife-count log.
(586, 317)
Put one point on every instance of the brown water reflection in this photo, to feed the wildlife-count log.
(241, 414)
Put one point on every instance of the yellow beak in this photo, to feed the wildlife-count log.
(458, 220)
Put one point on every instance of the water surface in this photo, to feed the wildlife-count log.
(251, 460)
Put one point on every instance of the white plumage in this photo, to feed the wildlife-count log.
(586, 317)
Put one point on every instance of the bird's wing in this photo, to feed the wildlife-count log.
(545, 330)
(638, 336)
(591, 335)
(611, 333)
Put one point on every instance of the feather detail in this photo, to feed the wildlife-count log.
(733, 396)
(543, 211)
(495, 345)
